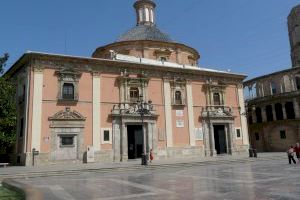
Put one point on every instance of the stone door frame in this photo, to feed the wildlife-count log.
(209, 138)
(120, 142)
(67, 122)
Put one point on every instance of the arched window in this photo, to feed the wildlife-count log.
(258, 115)
(68, 91)
(134, 94)
(163, 59)
(273, 88)
(147, 14)
(298, 82)
(269, 113)
(217, 99)
(141, 15)
(178, 98)
(289, 108)
(278, 110)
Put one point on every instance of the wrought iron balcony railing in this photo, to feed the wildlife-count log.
(133, 109)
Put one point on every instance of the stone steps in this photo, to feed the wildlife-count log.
(138, 167)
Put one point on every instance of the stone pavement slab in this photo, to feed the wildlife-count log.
(262, 179)
(75, 168)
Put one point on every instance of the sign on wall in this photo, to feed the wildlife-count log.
(179, 113)
(179, 123)
(199, 133)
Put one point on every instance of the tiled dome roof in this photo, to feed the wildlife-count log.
(144, 32)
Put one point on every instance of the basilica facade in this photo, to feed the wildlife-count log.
(145, 91)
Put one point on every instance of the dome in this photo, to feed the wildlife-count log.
(144, 32)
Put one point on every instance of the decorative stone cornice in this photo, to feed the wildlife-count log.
(38, 69)
(217, 112)
(67, 115)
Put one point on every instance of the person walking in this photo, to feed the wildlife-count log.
(151, 155)
(297, 150)
(290, 154)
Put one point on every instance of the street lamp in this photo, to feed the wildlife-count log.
(143, 109)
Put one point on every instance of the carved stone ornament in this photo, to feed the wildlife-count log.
(67, 114)
(215, 112)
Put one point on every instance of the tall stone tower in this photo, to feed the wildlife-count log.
(294, 34)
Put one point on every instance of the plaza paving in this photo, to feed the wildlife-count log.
(223, 179)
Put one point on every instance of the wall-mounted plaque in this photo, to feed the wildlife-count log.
(199, 133)
(179, 113)
(179, 123)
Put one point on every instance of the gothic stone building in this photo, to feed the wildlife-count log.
(273, 100)
(72, 106)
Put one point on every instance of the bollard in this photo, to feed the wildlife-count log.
(34, 153)
(250, 153)
(144, 159)
(254, 153)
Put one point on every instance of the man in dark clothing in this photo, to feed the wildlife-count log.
(290, 153)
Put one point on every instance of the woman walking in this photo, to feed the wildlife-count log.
(151, 155)
(290, 153)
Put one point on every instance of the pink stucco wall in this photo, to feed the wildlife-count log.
(50, 106)
(155, 91)
(110, 96)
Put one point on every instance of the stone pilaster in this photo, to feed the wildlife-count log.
(212, 141)
(254, 116)
(296, 108)
(274, 112)
(168, 112)
(154, 137)
(124, 143)
(116, 141)
(206, 135)
(284, 111)
(244, 124)
(37, 108)
(146, 144)
(189, 95)
(230, 138)
(96, 112)
(150, 135)
(227, 139)
(264, 114)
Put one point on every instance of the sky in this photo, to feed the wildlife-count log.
(244, 36)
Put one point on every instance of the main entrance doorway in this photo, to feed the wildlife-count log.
(220, 139)
(135, 141)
